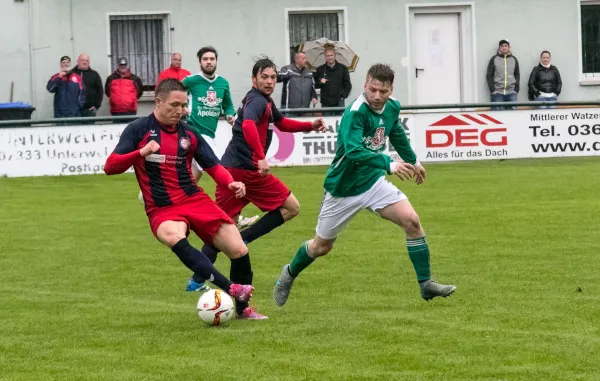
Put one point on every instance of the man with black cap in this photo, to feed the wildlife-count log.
(123, 89)
(67, 88)
(503, 76)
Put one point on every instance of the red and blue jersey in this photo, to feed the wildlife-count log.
(253, 125)
(253, 131)
(165, 177)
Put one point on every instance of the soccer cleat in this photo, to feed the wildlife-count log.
(250, 314)
(141, 198)
(431, 289)
(241, 292)
(245, 222)
(193, 286)
(283, 286)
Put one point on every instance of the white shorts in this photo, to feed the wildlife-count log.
(337, 212)
(213, 146)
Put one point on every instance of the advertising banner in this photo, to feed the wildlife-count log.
(435, 137)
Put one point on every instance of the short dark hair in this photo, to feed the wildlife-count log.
(381, 72)
(261, 64)
(207, 49)
(168, 85)
(545, 51)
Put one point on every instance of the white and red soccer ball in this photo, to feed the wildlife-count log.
(215, 307)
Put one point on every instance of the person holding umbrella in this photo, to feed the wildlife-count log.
(333, 78)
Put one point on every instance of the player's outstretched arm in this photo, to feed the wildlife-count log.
(291, 125)
(126, 152)
(223, 178)
(352, 131)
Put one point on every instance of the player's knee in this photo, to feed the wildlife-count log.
(237, 250)
(290, 210)
(320, 248)
(412, 224)
(170, 238)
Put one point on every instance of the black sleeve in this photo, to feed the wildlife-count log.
(254, 107)
(203, 154)
(318, 77)
(347, 85)
(99, 90)
(517, 75)
(130, 138)
(107, 85)
(531, 82)
(490, 75)
(558, 82)
(139, 86)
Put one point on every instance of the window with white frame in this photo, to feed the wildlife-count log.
(590, 38)
(144, 41)
(312, 25)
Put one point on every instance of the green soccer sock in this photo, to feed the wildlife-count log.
(301, 260)
(418, 251)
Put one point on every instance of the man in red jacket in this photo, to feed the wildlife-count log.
(174, 71)
(123, 90)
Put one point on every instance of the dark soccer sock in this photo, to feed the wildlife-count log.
(241, 273)
(200, 264)
(211, 252)
(301, 260)
(418, 251)
(267, 223)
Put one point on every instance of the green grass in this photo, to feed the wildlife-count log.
(87, 293)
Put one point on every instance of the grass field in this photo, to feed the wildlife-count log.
(87, 293)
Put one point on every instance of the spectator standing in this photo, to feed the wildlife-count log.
(123, 89)
(298, 84)
(333, 79)
(503, 76)
(92, 86)
(174, 71)
(545, 83)
(67, 86)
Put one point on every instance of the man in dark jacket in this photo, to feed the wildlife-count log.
(68, 91)
(92, 85)
(123, 89)
(503, 76)
(298, 84)
(333, 79)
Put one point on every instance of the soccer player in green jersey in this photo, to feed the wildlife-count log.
(208, 97)
(356, 180)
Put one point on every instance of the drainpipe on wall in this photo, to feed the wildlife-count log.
(72, 32)
(31, 58)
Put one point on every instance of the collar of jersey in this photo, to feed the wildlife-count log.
(364, 100)
(208, 79)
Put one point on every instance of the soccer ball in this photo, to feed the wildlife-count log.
(215, 307)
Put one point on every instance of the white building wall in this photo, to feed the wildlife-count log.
(242, 29)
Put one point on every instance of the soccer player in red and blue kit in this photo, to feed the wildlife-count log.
(160, 147)
(245, 159)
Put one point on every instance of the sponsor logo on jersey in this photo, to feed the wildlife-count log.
(185, 143)
(154, 158)
(212, 113)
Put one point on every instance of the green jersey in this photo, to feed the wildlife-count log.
(206, 99)
(362, 136)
